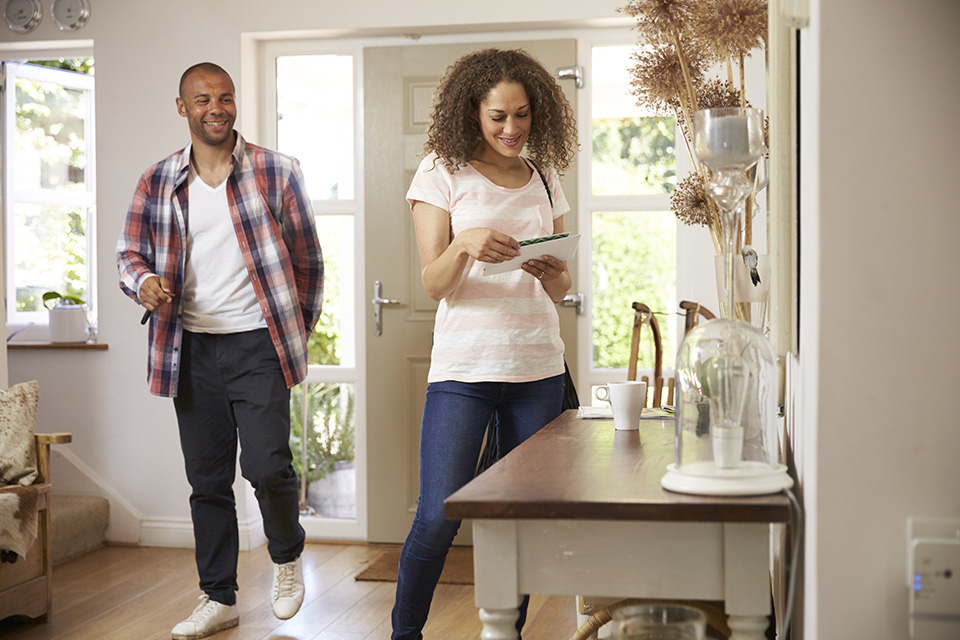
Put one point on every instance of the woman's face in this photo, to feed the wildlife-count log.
(505, 118)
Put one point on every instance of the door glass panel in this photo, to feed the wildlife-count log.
(322, 439)
(331, 342)
(50, 145)
(315, 121)
(634, 260)
(633, 152)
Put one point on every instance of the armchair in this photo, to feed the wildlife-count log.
(26, 585)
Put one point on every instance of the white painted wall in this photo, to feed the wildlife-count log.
(881, 274)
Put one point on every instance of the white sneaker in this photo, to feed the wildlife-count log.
(287, 589)
(208, 618)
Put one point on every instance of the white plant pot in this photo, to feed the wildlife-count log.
(68, 324)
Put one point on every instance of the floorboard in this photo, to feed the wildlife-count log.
(125, 593)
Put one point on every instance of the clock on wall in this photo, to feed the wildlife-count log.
(23, 16)
(70, 15)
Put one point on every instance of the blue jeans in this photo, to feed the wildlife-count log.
(455, 417)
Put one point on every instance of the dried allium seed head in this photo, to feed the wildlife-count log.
(716, 93)
(690, 201)
(730, 27)
(658, 20)
(657, 77)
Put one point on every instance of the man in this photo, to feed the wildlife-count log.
(219, 245)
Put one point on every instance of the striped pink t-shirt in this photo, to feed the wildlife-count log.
(496, 328)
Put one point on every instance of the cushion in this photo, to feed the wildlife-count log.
(18, 415)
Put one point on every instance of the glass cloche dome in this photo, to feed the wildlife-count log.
(727, 441)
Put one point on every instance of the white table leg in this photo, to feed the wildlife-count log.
(495, 574)
(747, 627)
(747, 579)
(499, 624)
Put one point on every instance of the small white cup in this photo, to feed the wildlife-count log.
(727, 446)
(626, 399)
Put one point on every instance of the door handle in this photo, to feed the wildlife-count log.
(378, 303)
(573, 300)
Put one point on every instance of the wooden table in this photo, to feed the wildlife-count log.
(578, 509)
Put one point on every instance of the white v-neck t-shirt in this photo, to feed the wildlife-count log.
(218, 296)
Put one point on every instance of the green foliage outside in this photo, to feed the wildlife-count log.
(335, 233)
(634, 156)
(634, 260)
(330, 431)
(330, 435)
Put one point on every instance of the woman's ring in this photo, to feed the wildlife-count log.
(540, 277)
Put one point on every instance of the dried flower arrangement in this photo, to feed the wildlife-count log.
(679, 41)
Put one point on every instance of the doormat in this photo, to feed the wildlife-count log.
(457, 570)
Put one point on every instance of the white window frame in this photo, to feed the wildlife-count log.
(11, 194)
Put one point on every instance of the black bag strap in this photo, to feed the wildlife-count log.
(543, 179)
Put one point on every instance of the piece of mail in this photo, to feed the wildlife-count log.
(561, 249)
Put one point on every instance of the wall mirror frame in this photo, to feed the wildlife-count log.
(784, 17)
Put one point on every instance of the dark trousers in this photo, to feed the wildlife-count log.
(232, 390)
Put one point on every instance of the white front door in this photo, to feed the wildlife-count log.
(398, 85)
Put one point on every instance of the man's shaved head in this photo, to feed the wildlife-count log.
(207, 67)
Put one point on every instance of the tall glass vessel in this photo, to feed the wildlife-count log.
(726, 423)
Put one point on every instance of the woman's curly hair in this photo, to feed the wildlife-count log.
(454, 132)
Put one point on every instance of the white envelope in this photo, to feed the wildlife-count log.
(561, 249)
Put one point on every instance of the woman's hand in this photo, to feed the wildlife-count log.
(487, 245)
(545, 269)
(443, 258)
(552, 274)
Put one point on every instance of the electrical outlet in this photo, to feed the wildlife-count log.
(933, 564)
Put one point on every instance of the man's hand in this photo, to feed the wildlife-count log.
(155, 293)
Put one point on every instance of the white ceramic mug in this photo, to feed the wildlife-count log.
(626, 399)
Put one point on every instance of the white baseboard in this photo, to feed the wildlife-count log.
(177, 533)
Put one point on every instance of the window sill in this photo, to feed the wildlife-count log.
(43, 344)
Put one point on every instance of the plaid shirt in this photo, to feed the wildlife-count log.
(274, 223)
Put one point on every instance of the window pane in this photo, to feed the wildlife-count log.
(634, 260)
(315, 121)
(52, 257)
(50, 145)
(331, 342)
(633, 152)
(324, 459)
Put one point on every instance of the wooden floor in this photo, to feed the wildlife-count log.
(122, 593)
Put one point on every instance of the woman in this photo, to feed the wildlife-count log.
(497, 347)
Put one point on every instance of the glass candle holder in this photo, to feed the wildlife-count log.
(659, 622)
